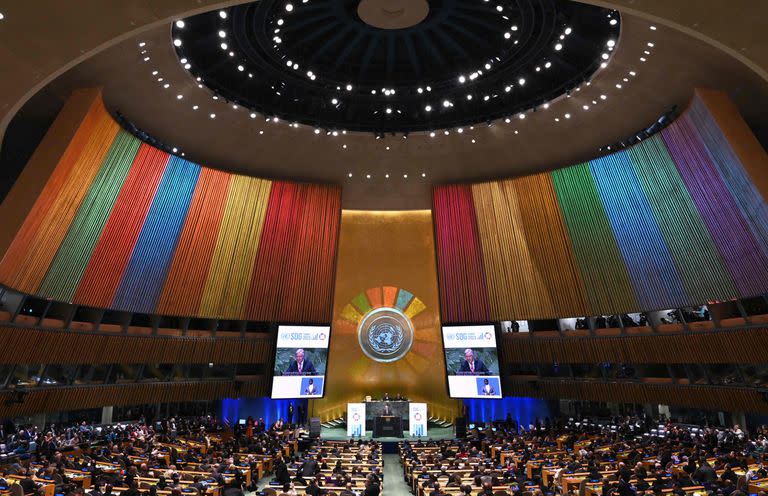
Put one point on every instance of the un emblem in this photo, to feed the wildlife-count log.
(385, 334)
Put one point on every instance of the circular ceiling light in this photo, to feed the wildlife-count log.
(393, 14)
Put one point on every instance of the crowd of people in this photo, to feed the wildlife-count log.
(624, 457)
(120, 458)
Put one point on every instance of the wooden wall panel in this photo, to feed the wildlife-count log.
(79, 397)
(67, 347)
(738, 346)
(706, 397)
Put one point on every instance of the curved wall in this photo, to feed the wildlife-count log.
(675, 220)
(123, 225)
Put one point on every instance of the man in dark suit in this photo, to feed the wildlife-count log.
(387, 411)
(300, 366)
(310, 467)
(290, 413)
(470, 366)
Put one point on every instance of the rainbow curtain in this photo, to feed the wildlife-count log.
(121, 224)
(672, 221)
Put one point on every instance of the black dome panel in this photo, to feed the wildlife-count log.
(469, 61)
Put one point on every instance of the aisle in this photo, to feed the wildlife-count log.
(394, 484)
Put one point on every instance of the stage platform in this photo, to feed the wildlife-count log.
(340, 433)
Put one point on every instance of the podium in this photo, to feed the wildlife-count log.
(388, 426)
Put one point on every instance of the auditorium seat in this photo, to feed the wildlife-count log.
(227, 334)
(197, 333)
(670, 327)
(141, 331)
(26, 320)
(111, 327)
(637, 330)
(165, 331)
(609, 331)
(576, 333)
(759, 319)
(52, 323)
(733, 322)
(657, 380)
(701, 326)
(76, 325)
(547, 334)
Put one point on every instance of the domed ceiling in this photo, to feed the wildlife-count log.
(434, 65)
(152, 83)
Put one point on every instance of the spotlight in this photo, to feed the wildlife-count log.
(428, 108)
(613, 22)
(180, 24)
(289, 7)
(521, 81)
(559, 47)
(349, 87)
(223, 14)
(611, 43)
(462, 79)
(222, 34)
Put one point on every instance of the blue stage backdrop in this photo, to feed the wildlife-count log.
(523, 410)
(233, 409)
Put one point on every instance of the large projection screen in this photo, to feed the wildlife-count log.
(471, 361)
(301, 359)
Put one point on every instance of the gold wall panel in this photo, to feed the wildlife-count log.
(384, 256)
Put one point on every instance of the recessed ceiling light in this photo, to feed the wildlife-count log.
(317, 131)
(222, 34)
(253, 115)
(428, 108)
(177, 42)
(223, 14)
(567, 116)
(349, 175)
(166, 86)
(603, 97)
(179, 23)
(650, 44)
(289, 7)
(432, 134)
(618, 85)
(507, 35)
(423, 174)
(146, 59)
(187, 66)
(521, 81)
(514, 28)
(386, 176)
(522, 116)
(212, 116)
(653, 28)
(613, 22)
(240, 68)
(368, 176)
(142, 44)
(611, 43)
(179, 97)
(473, 141)
(568, 31)
(559, 47)
(195, 107)
(224, 46)
(349, 87)
(335, 101)
(585, 107)
(280, 22)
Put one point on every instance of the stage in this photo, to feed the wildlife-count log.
(340, 433)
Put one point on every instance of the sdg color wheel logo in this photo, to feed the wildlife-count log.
(383, 318)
